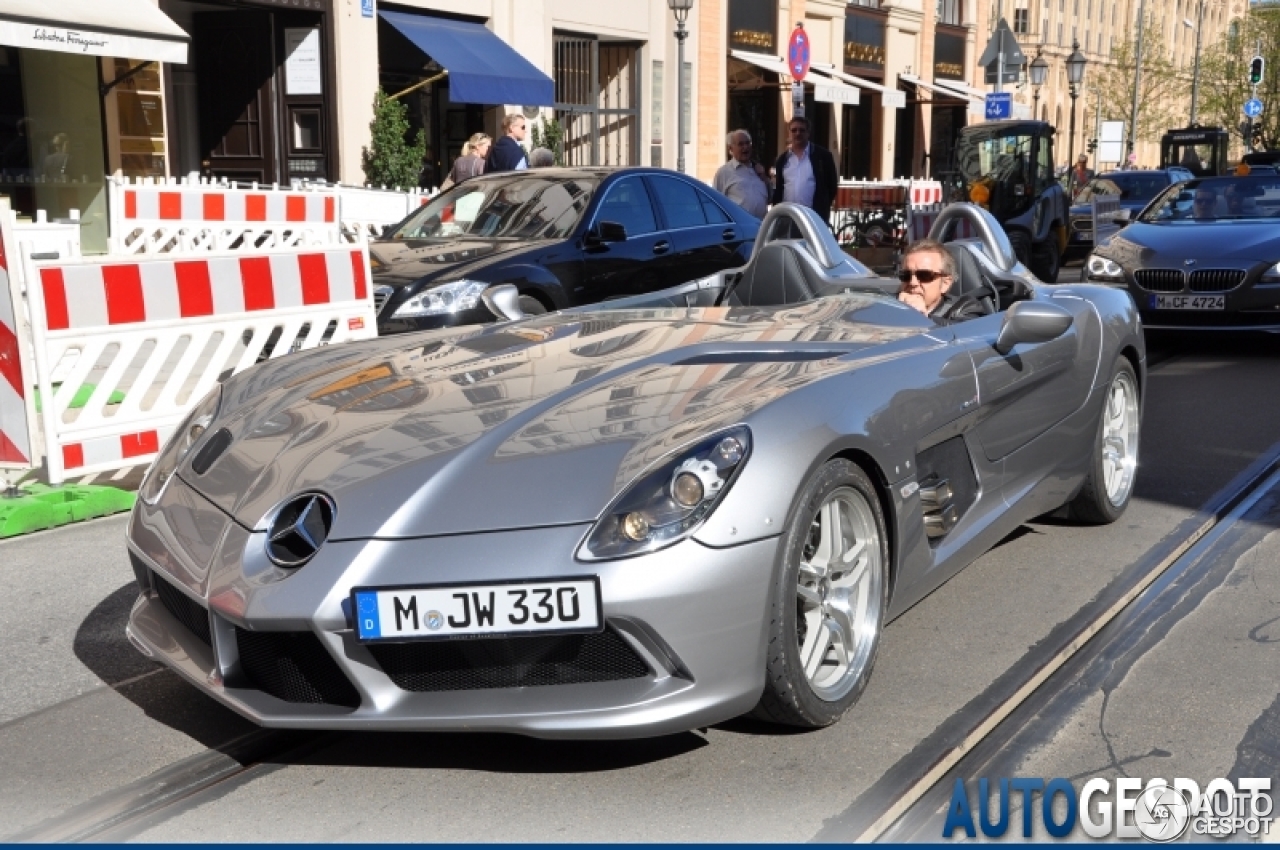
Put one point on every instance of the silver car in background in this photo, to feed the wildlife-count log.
(634, 518)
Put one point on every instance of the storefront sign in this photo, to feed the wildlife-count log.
(302, 69)
(65, 40)
(835, 94)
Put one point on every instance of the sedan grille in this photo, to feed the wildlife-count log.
(294, 667)
(380, 296)
(184, 609)
(1160, 280)
(1216, 280)
(467, 665)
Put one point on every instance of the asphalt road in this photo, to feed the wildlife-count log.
(88, 727)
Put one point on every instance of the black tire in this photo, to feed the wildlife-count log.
(1046, 259)
(1020, 241)
(1097, 503)
(791, 695)
(531, 306)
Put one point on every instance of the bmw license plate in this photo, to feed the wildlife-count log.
(438, 612)
(1188, 302)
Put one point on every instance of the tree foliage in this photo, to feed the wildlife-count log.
(1224, 77)
(551, 138)
(1162, 97)
(391, 159)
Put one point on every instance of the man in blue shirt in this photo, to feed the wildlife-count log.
(507, 154)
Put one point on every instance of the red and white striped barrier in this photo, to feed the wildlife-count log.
(185, 217)
(17, 410)
(925, 193)
(162, 330)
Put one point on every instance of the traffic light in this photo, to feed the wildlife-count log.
(1255, 70)
(1093, 145)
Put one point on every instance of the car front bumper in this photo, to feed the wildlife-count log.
(695, 617)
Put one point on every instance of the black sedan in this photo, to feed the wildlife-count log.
(1135, 188)
(1204, 254)
(563, 236)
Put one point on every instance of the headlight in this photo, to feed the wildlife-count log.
(670, 501)
(445, 298)
(1100, 268)
(1272, 275)
(179, 446)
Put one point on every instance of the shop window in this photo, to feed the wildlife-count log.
(597, 100)
(752, 24)
(305, 130)
(863, 42)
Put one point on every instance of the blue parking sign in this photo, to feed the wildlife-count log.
(366, 8)
(999, 105)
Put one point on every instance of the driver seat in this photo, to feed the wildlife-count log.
(969, 279)
(775, 277)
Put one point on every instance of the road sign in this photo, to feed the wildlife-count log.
(1014, 58)
(798, 53)
(366, 8)
(1253, 107)
(999, 105)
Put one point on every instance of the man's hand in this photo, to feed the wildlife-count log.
(914, 300)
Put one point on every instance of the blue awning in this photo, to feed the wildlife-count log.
(482, 67)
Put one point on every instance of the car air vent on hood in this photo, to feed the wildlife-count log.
(211, 451)
(761, 357)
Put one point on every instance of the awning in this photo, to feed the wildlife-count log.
(825, 89)
(888, 97)
(126, 29)
(977, 106)
(963, 88)
(482, 67)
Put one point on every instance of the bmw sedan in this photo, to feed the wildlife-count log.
(563, 236)
(1203, 254)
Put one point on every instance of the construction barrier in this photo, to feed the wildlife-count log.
(17, 407)
(162, 330)
(1105, 214)
(188, 217)
(365, 212)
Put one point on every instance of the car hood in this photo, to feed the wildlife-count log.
(410, 260)
(1206, 242)
(527, 424)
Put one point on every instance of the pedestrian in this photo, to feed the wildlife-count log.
(1081, 174)
(743, 180)
(507, 154)
(541, 158)
(470, 163)
(806, 173)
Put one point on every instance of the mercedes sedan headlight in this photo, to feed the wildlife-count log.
(180, 445)
(446, 298)
(1100, 268)
(670, 501)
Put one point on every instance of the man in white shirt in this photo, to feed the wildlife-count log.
(741, 179)
(806, 172)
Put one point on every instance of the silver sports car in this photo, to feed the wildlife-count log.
(631, 519)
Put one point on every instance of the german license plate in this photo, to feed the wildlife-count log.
(439, 612)
(1188, 302)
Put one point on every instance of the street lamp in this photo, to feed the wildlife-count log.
(1195, 75)
(1039, 73)
(681, 9)
(1075, 74)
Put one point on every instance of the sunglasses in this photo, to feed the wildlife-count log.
(1203, 201)
(922, 275)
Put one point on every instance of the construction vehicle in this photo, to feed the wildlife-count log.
(1007, 167)
(1200, 150)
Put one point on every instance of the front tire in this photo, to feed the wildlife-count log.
(1020, 241)
(829, 600)
(1109, 484)
(1046, 259)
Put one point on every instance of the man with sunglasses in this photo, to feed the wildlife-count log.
(806, 173)
(927, 274)
(742, 179)
(1205, 204)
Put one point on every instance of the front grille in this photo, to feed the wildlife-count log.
(183, 608)
(1160, 280)
(380, 296)
(1216, 280)
(468, 665)
(294, 667)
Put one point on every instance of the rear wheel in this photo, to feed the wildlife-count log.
(829, 600)
(1046, 259)
(1109, 484)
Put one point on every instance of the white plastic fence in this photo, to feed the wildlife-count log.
(17, 410)
(365, 212)
(186, 216)
(49, 237)
(152, 335)
(1105, 211)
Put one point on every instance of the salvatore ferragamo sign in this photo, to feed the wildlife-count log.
(159, 48)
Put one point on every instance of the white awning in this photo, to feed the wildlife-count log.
(963, 88)
(888, 96)
(126, 29)
(825, 89)
(977, 106)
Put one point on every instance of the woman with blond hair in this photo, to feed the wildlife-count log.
(471, 162)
